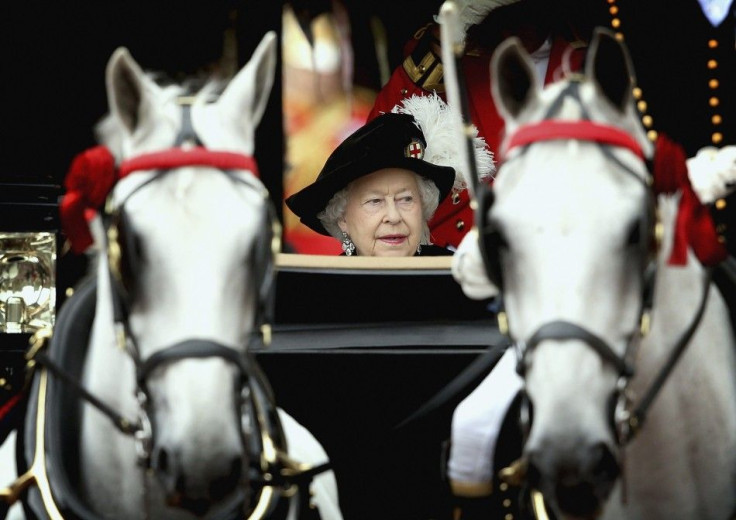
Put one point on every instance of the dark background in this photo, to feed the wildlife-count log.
(54, 56)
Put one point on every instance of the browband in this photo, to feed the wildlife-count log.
(550, 130)
(197, 156)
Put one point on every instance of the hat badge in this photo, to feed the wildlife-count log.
(415, 149)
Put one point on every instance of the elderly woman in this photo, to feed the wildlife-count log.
(376, 192)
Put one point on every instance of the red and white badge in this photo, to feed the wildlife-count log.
(415, 149)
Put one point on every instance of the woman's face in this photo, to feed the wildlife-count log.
(383, 216)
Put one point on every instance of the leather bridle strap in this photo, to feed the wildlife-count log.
(564, 330)
(124, 425)
(193, 348)
(639, 415)
(470, 375)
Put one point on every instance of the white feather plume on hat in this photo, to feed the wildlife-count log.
(472, 12)
(433, 117)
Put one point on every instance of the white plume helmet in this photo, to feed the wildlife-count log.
(472, 12)
(434, 118)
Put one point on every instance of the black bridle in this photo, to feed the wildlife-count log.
(627, 421)
(273, 469)
(186, 151)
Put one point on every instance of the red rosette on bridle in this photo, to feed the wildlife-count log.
(90, 178)
(694, 226)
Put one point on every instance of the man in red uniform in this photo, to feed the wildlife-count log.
(488, 23)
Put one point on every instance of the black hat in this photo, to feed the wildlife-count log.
(388, 141)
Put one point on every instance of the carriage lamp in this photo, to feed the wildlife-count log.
(28, 248)
(27, 280)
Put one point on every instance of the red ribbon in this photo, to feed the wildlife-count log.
(90, 178)
(551, 129)
(694, 226)
(178, 157)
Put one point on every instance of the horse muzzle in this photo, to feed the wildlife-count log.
(197, 491)
(576, 480)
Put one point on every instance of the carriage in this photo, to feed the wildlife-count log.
(66, 467)
(306, 336)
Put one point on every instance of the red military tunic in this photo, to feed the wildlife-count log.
(421, 74)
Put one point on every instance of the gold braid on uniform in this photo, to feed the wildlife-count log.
(423, 66)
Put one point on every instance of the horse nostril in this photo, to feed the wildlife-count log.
(604, 466)
(161, 460)
(576, 498)
(222, 486)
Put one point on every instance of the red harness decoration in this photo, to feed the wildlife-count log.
(550, 130)
(694, 226)
(178, 157)
(92, 176)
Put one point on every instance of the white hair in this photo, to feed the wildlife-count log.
(429, 195)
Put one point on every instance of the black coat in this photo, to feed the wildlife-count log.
(686, 72)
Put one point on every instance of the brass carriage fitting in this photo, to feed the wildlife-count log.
(515, 473)
(266, 334)
(37, 342)
(503, 323)
(12, 493)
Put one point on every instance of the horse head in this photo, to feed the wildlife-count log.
(566, 232)
(184, 264)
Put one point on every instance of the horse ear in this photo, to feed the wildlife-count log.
(248, 92)
(513, 78)
(125, 81)
(608, 65)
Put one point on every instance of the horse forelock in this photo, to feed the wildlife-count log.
(110, 131)
(555, 102)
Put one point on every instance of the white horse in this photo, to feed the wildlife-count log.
(566, 236)
(184, 281)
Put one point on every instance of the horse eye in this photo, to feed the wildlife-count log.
(131, 256)
(496, 238)
(634, 237)
(501, 242)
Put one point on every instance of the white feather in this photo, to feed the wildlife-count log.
(434, 118)
(472, 12)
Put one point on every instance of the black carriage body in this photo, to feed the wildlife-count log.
(355, 351)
